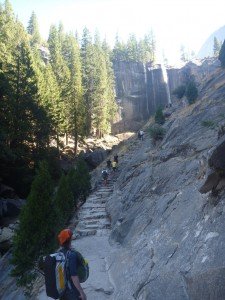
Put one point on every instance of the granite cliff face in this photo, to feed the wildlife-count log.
(140, 90)
(169, 238)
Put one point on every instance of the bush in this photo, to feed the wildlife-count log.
(157, 132)
(179, 92)
(208, 123)
(159, 116)
(191, 92)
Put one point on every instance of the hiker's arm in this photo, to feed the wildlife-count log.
(76, 282)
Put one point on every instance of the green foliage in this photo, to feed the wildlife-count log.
(98, 85)
(179, 92)
(142, 50)
(23, 121)
(222, 55)
(157, 132)
(79, 180)
(191, 92)
(159, 116)
(33, 30)
(208, 123)
(35, 235)
(75, 109)
(216, 47)
(64, 202)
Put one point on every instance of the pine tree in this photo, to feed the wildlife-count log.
(33, 30)
(61, 71)
(184, 54)
(87, 52)
(79, 180)
(132, 48)
(216, 47)
(36, 233)
(84, 178)
(191, 92)
(110, 90)
(150, 47)
(222, 55)
(64, 202)
(159, 116)
(75, 107)
(24, 120)
(119, 50)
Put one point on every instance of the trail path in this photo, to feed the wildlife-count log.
(92, 233)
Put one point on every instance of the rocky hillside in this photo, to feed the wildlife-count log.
(166, 208)
(207, 47)
(169, 237)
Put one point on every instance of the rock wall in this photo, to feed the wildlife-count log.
(169, 237)
(140, 90)
(157, 90)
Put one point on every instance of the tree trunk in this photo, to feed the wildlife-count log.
(75, 143)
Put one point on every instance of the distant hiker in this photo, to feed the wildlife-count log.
(105, 175)
(114, 165)
(139, 135)
(109, 164)
(141, 132)
(116, 158)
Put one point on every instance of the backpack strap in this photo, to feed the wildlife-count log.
(67, 269)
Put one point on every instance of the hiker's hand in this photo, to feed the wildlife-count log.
(83, 296)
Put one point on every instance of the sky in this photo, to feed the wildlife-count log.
(174, 22)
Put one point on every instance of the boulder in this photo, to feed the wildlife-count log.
(11, 207)
(216, 173)
(7, 192)
(94, 158)
(217, 159)
(6, 235)
(211, 182)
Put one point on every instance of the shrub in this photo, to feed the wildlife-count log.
(191, 92)
(208, 123)
(157, 132)
(179, 91)
(159, 116)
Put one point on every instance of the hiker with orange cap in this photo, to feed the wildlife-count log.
(74, 290)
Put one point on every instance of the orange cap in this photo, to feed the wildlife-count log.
(64, 236)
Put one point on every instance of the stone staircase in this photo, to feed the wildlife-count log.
(92, 216)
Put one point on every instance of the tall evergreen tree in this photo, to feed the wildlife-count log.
(191, 92)
(64, 202)
(36, 233)
(87, 52)
(119, 50)
(33, 30)
(75, 105)
(216, 47)
(222, 55)
(60, 70)
(24, 120)
(132, 48)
